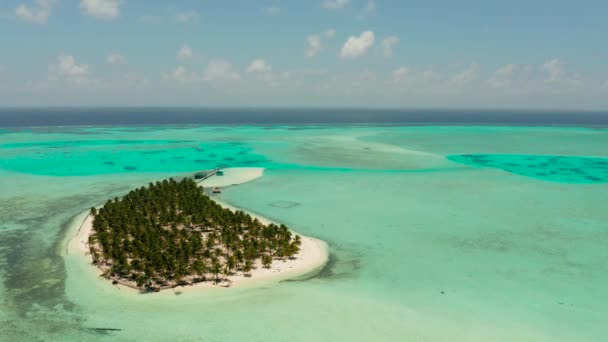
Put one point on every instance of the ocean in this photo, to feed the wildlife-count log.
(441, 225)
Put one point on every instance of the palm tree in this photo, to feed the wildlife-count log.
(216, 268)
(200, 268)
(230, 264)
(248, 266)
(170, 229)
(226, 272)
(266, 260)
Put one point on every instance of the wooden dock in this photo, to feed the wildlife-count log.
(208, 174)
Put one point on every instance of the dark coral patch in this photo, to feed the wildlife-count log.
(565, 169)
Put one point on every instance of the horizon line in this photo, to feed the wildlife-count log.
(292, 108)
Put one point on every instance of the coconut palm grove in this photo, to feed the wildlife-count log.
(171, 233)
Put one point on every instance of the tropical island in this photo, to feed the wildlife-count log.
(171, 233)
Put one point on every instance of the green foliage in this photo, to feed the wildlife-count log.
(171, 230)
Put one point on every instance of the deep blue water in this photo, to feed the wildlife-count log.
(21, 117)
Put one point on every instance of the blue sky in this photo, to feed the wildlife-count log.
(316, 53)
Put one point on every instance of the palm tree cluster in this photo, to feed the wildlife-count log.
(171, 233)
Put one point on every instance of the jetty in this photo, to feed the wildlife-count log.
(202, 175)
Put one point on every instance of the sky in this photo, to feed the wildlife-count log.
(315, 53)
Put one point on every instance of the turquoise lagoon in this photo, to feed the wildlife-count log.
(435, 233)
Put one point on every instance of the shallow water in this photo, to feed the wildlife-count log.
(427, 242)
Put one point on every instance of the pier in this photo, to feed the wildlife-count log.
(206, 174)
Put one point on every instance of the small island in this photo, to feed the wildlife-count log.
(171, 233)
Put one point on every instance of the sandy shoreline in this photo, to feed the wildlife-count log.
(312, 256)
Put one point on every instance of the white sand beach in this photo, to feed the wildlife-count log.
(233, 176)
(313, 254)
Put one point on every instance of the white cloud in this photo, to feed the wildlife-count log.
(101, 9)
(131, 80)
(219, 69)
(149, 19)
(37, 13)
(280, 80)
(315, 41)
(262, 71)
(314, 45)
(388, 44)
(502, 76)
(334, 4)
(187, 17)
(259, 66)
(556, 74)
(116, 58)
(357, 46)
(68, 69)
(400, 74)
(216, 70)
(371, 6)
(185, 53)
(506, 70)
(467, 75)
(272, 10)
(181, 75)
(431, 76)
(554, 71)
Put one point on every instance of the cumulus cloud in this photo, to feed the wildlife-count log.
(506, 70)
(467, 75)
(503, 75)
(400, 74)
(216, 70)
(314, 42)
(185, 53)
(554, 70)
(370, 7)
(101, 9)
(219, 69)
(357, 46)
(131, 80)
(187, 17)
(280, 80)
(116, 58)
(334, 4)
(181, 75)
(272, 10)
(431, 76)
(37, 13)
(259, 66)
(66, 68)
(556, 74)
(314, 45)
(388, 44)
(262, 71)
